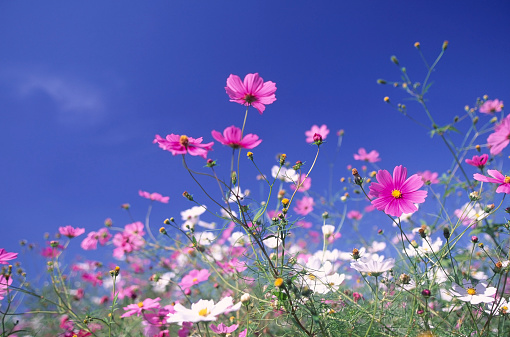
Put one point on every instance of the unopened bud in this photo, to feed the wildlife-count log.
(394, 59)
(245, 298)
(446, 233)
(386, 99)
(474, 239)
(250, 155)
(282, 158)
(162, 230)
(417, 45)
(445, 45)
(381, 81)
(187, 196)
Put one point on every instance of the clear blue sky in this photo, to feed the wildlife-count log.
(85, 86)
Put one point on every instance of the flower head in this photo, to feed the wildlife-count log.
(183, 144)
(322, 131)
(429, 176)
(474, 294)
(194, 277)
(153, 196)
(497, 178)
(371, 157)
(491, 106)
(252, 91)
(398, 194)
(501, 137)
(70, 231)
(233, 137)
(373, 267)
(138, 308)
(478, 161)
(203, 310)
(306, 183)
(304, 205)
(5, 256)
(223, 329)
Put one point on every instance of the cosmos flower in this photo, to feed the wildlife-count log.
(253, 91)
(354, 215)
(373, 267)
(4, 284)
(232, 136)
(500, 138)
(304, 205)
(140, 307)
(90, 242)
(70, 231)
(306, 183)
(284, 174)
(478, 161)
(223, 329)
(153, 196)
(497, 178)
(398, 194)
(194, 277)
(5, 256)
(470, 214)
(499, 307)
(429, 176)
(183, 144)
(473, 294)
(203, 310)
(323, 131)
(491, 106)
(371, 157)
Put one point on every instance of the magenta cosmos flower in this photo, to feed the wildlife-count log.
(232, 136)
(478, 161)
(183, 144)
(371, 157)
(140, 307)
(253, 91)
(323, 131)
(491, 106)
(153, 196)
(5, 256)
(398, 194)
(501, 137)
(497, 178)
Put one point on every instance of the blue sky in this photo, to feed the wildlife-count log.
(85, 86)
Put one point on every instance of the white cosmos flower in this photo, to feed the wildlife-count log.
(473, 294)
(373, 267)
(427, 247)
(320, 277)
(205, 238)
(285, 174)
(328, 230)
(191, 218)
(499, 307)
(470, 214)
(160, 285)
(272, 242)
(238, 239)
(203, 310)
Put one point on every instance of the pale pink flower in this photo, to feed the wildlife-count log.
(234, 265)
(497, 178)
(478, 161)
(491, 106)
(371, 157)
(153, 196)
(140, 307)
(233, 137)
(203, 310)
(223, 329)
(429, 176)
(90, 242)
(253, 91)
(194, 277)
(323, 131)
(4, 284)
(307, 183)
(304, 205)
(397, 195)
(71, 232)
(354, 215)
(183, 144)
(5, 256)
(500, 138)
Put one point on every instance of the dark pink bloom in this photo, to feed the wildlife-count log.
(497, 178)
(500, 138)
(397, 195)
(5, 256)
(323, 131)
(138, 308)
(243, 333)
(429, 176)
(223, 329)
(66, 323)
(183, 144)
(491, 106)
(94, 279)
(71, 232)
(371, 157)
(253, 91)
(153, 196)
(478, 161)
(355, 215)
(232, 136)
(304, 205)
(307, 183)
(194, 277)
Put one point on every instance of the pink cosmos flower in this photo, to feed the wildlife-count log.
(304, 205)
(253, 91)
(183, 144)
(491, 106)
(397, 195)
(355, 215)
(307, 183)
(232, 136)
(4, 284)
(153, 196)
(90, 242)
(139, 307)
(233, 266)
(478, 161)
(194, 277)
(71, 232)
(4, 256)
(323, 131)
(223, 329)
(501, 137)
(497, 178)
(371, 157)
(429, 176)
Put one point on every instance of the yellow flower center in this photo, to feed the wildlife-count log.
(195, 280)
(184, 140)
(140, 304)
(311, 277)
(396, 194)
(204, 312)
(471, 291)
(503, 309)
(507, 180)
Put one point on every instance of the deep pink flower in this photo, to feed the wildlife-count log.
(491, 106)
(478, 161)
(138, 308)
(497, 178)
(355, 215)
(253, 91)
(304, 205)
(183, 144)
(71, 232)
(232, 136)
(500, 138)
(429, 176)
(5, 256)
(371, 157)
(153, 196)
(223, 329)
(194, 277)
(323, 131)
(307, 183)
(397, 195)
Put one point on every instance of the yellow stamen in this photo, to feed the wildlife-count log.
(184, 140)
(503, 309)
(507, 180)
(204, 312)
(140, 304)
(396, 194)
(471, 291)
(195, 280)
(311, 277)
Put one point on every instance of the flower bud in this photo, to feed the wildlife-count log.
(381, 81)
(325, 215)
(278, 282)
(386, 99)
(417, 45)
(357, 178)
(488, 208)
(475, 120)
(446, 233)
(249, 155)
(285, 202)
(480, 245)
(445, 45)
(108, 222)
(162, 230)
(426, 293)
(422, 233)
(125, 206)
(414, 244)
(474, 239)
(474, 196)
(187, 196)
(297, 165)
(494, 120)
(167, 222)
(317, 139)
(380, 232)
(210, 163)
(478, 148)
(233, 176)
(355, 254)
(282, 159)
(245, 298)
(394, 59)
